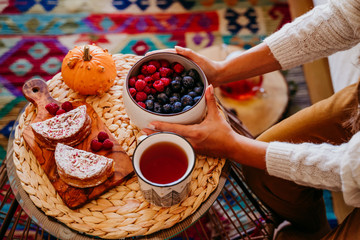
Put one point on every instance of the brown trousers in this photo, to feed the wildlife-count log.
(303, 206)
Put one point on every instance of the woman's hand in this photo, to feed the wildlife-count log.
(252, 62)
(210, 137)
(215, 137)
(210, 68)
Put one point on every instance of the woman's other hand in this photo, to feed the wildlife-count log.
(210, 68)
(250, 63)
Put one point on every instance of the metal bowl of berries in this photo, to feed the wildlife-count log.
(165, 87)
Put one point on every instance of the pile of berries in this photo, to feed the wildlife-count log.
(102, 141)
(165, 87)
(55, 109)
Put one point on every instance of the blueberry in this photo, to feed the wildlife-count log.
(192, 94)
(199, 83)
(176, 107)
(168, 91)
(157, 107)
(186, 108)
(162, 98)
(187, 100)
(193, 73)
(188, 82)
(198, 90)
(150, 97)
(149, 104)
(174, 99)
(196, 99)
(183, 91)
(175, 85)
(177, 78)
(176, 95)
(167, 108)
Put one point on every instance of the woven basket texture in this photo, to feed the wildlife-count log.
(122, 211)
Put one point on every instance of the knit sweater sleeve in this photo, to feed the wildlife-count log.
(318, 33)
(322, 166)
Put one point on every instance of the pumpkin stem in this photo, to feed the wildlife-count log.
(87, 56)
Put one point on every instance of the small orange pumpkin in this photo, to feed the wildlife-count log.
(89, 70)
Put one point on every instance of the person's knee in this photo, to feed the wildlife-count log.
(302, 206)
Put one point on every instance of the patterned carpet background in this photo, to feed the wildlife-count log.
(35, 35)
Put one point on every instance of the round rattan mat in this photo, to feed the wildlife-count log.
(122, 211)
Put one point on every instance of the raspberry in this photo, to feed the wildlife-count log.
(166, 81)
(52, 108)
(132, 92)
(60, 111)
(159, 86)
(153, 91)
(140, 97)
(147, 90)
(132, 81)
(155, 63)
(164, 63)
(144, 70)
(141, 104)
(95, 145)
(156, 76)
(140, 85)
(108, 144)
(149, 80)
(178, 68)
(67, 106)
(102, 136)
(140, 76)
(165, 72)
(151, 69)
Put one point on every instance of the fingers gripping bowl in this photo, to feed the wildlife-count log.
(172, 92)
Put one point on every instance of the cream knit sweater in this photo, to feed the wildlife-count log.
(324, 30)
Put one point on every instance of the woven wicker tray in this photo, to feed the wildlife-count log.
(122, 211)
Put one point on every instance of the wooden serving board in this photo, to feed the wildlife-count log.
(36, 91)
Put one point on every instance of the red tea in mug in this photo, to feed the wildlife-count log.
(163, 163)
(242, 89)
